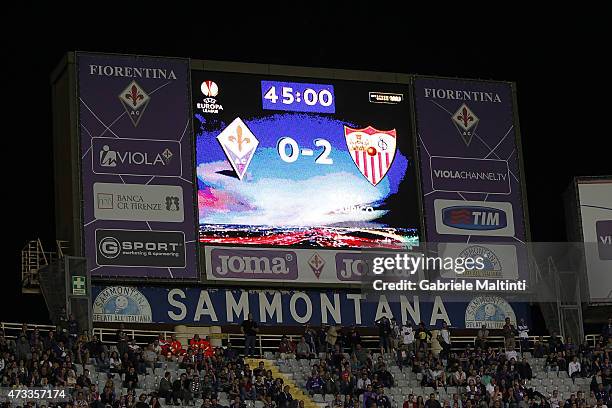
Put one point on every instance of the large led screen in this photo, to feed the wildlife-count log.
(304, 162)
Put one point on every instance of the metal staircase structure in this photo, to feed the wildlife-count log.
(561, 291)
(33, 259)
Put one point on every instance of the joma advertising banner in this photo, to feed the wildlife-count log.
(470, 171)
(290, 265)
(136, 150)
(276, 307)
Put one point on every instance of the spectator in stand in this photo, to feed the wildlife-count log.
(286, 348)
(482, 338)
(165, 388)
(459, 378)
(523, 334)
(237, 403)
(404, 354)
(142, 401)
(573, 369)
(353, 338)
(369, 396)
(115, 363)
(131, 379)
(303, 350)
(432, 402)
(382, 401)
(315, 384)
(249, 328)
(385, 377)
(284, 399)
(509, 331)
(196, 342)
(606, 332)
(395, 335)
(163, 344)
(331, 337)
(310, 337)
(73, 329)
(407, 334)
(444, 338)
(149, 356)
(196, 386)
(181, 390)
(555, 344)
(175, 347)
(422, 337)
(384, 334)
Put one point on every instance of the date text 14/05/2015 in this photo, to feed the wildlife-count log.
(34, 394)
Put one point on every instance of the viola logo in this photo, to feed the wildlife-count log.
(136, 156)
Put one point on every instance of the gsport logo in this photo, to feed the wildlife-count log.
(459, 217)
(109, 247)
(134, 248)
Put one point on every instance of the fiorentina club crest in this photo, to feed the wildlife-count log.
(466, 122)
(372, 150)
(135, 101)
(316, 263)
(239, 145)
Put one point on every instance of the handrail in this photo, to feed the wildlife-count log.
(266, 342)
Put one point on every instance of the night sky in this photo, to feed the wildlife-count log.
(559, 70)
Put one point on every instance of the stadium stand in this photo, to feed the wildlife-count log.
(121, 372)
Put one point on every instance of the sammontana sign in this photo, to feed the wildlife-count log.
(289, 308)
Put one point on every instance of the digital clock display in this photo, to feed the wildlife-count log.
(297, 97)
(287, 161)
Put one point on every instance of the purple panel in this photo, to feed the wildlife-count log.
(604, 239)
(135, 128)
(468, 151)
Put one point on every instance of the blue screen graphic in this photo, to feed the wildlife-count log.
(303, 178)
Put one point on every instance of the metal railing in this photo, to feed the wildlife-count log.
(265, 342)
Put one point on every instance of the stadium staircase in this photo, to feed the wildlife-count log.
(296, 392)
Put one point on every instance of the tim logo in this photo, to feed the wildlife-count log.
(474, 218)
(253, 264)
(482, 218)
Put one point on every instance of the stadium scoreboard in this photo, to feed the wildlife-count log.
(202, 170)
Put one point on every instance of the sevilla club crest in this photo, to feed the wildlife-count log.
(372, 151)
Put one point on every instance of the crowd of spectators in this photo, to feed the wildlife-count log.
(483, 376)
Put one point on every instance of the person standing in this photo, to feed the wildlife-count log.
(523, 331)
(249, 328)
(331, 337)
(384, 333)
(509, 331)
(445, 341)
(482, 338)
(422, 337)
(606, 332)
